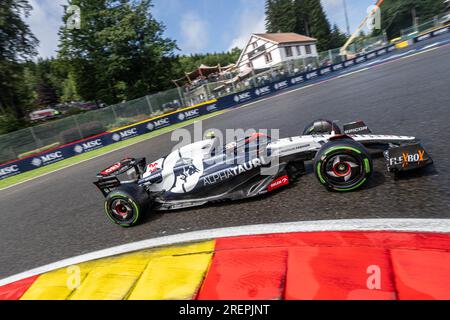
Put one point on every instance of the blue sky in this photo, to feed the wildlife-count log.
(198, 26)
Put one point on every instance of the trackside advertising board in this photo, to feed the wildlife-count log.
(433, 34)
(79, 147)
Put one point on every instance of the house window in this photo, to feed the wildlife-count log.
(299, 50)
(255, 45)
(288, 51)
(308, 49)
(250, 65)
(268, 57)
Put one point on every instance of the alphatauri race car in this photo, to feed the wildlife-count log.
(207, 172)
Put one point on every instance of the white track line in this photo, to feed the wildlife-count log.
(232, 109)
(404, 225)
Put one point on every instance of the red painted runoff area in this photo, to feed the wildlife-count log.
(349, 265)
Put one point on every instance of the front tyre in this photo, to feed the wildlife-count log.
(126, 204)
(343, 165)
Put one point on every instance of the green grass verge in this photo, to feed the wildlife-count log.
(88, 155)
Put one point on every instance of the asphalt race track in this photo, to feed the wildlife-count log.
(60, 215)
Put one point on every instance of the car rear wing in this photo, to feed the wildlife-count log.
(108, 179)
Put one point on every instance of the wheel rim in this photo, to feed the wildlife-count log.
(121, 210)
(344, 170)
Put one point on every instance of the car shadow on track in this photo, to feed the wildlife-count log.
(421, 172)
(378, 178)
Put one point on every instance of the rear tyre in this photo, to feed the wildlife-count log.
(126, 205)
(343, 165)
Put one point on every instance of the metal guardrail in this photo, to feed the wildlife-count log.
(427, 26)
(59, 132)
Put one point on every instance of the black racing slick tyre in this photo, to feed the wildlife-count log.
(343, 165)
(126, 205)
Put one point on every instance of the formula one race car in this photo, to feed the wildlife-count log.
(207, 172)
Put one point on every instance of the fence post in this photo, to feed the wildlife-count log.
(234, 87)
(207, 91)
(114, 112)
(149, 103)
(253, 83)
(16, 155)
(78, 126)
(183, 103)
(37, 141)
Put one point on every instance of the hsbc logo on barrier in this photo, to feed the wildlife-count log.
(186, 115)
(298, 79)
(360, 59)
(325, 70)
(371, 55)
(311, 75)
(156, 124)
(9, 171)
(349, 63)
(47, 159)
(211, 107)
(337, 67)
(88, 146)
(382, 51)
(438, 32)
(281, 85)
(424, 37)
(242, 97)
(126, 134)
(263, 91)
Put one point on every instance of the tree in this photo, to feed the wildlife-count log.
(46, 95)
(48, 82)
(280, 16)
(319, 26)
(337, 38)
(399, 14)
(300, 16)
(119, 52)
(17, 44)
(70, 92)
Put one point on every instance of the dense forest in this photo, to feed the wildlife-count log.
(120, 51)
